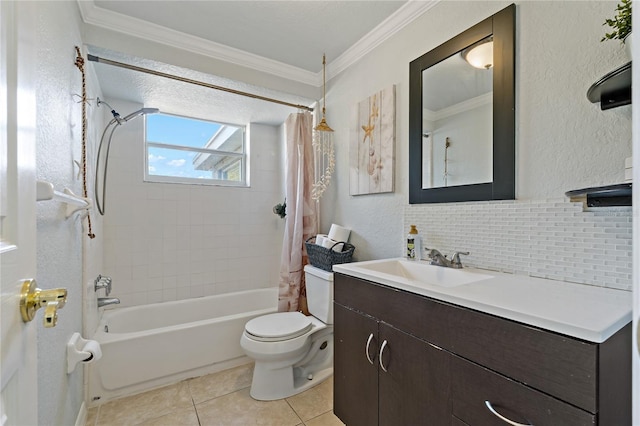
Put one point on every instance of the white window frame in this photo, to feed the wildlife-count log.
(244, 156)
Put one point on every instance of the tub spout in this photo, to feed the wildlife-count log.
(106, 301)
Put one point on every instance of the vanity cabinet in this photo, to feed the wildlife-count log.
(447, 364)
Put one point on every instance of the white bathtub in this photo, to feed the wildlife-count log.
(148, 346)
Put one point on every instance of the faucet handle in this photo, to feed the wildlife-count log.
(431, 252)
(455, 259)
(103, 282)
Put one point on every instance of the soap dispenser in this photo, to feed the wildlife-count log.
(414, 244)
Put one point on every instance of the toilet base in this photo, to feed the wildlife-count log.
(264, 389)
(279, 379)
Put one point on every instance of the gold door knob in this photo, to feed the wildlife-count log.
(32, 298)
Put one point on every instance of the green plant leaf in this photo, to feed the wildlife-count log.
(621, 22)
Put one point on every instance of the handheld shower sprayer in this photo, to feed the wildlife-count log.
(141, 111)
(111, 127)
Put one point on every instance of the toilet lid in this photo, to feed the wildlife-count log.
(279, 326)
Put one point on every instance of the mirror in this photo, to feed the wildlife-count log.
(457, 122)
(462, 117)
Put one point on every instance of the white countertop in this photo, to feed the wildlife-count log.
(586, 312)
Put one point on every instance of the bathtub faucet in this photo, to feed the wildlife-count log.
(106, 301)
(102, 282)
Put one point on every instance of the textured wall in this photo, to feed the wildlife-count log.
(172, 241)
(563, 141)
(60, 241)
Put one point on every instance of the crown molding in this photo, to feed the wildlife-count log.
(458, 108)
(402, 17)
(93, 15)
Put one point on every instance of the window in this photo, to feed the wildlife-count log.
(188, 150)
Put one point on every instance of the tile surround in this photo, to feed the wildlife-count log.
(552, 239)
(166, 242)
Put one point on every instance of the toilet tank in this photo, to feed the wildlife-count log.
(319, 293)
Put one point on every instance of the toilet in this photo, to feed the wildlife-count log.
(293, 352)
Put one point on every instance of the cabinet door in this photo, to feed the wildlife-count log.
(355, 378)
(414, 389)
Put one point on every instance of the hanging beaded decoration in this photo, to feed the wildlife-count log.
(325, 158)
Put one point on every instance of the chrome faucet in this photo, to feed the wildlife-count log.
(438, 259)
(106, 301)
(102, 282)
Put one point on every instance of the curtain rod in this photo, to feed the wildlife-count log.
(196, 82)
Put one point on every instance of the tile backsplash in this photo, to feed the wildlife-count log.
(552, 239)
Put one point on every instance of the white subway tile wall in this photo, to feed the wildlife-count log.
(552, 239)
(168, 242)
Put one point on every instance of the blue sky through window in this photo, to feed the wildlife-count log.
(171, 129)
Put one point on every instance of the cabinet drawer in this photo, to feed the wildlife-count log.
(414, 314)
(472, 385)
(561, 366)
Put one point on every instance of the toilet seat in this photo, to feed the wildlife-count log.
(278, 327)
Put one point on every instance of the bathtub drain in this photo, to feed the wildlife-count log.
(106, 328)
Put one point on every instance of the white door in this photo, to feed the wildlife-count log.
(18, 348)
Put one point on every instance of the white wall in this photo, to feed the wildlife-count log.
(470, 152)
(563, 141)
(168, 242)
(60, 241)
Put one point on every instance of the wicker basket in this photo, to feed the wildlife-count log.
(325, 258)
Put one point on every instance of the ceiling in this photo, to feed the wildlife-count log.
(296, 33)
(285, 38)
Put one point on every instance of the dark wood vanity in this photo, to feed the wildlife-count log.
(406, 359)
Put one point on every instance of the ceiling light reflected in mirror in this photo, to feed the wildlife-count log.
(480, 55)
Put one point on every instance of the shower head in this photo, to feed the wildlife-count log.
(139, 112)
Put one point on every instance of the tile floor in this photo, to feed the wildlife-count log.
(217, 399)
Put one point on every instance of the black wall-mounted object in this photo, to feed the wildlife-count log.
(502, 26)
(612, 90)
(603, 196)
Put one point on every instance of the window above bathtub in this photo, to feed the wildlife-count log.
(189, 150)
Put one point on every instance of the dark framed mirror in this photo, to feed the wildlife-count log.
(462, 116)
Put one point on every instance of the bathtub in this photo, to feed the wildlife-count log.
(144, 347)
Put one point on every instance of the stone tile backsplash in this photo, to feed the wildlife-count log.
(552, 239)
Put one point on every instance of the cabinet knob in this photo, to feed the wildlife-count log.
(503, 418)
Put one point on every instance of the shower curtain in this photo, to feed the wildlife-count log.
(301, 214)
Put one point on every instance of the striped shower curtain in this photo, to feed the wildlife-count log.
(301, 214)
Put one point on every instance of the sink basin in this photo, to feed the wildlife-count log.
(420, 272)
